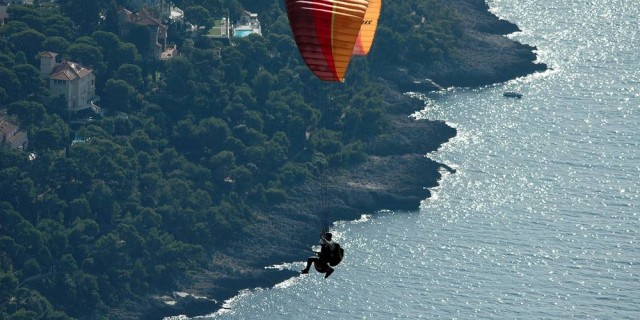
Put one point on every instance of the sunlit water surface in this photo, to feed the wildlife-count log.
(542, 218)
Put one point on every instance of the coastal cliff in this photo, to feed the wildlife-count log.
(396, 174)
(483, 55)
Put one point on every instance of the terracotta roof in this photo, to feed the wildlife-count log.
(48, 54)
(18, 139)
(68, 70)
(63, 75)
(143, 18)
(125, 16)
(7, 129)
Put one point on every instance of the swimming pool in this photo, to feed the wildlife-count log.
(242, 33)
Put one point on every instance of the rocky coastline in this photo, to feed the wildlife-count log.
(396, 175)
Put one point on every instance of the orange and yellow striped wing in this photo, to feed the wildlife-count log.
(368, 30)
(325, 32)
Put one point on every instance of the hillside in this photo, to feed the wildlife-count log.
(206, 166)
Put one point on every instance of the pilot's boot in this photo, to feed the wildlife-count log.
(328, 273)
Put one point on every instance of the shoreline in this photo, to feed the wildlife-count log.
(396, 176)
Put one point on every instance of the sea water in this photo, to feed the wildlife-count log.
(541, 219)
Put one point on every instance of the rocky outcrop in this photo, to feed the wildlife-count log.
(483, 54)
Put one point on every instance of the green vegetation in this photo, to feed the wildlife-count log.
(190, 151)
(417, 33)
(216, 30)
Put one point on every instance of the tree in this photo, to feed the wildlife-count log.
(33, 20)
(68, 264)
(293, 174)
(21, 58)
(102, 203)
(57, 25)
(20, 12)
(54, 235)
(6, 61)
(126, 53)
(29, 77)
(14, 26)
(253, 119)
(56, 44)
(141, 141)
(53, 134)
(86, 54)
(9, 283)
(139, 35)
(86, 40)
(31, 267)
(30, 41)
(198, 15)
(17, 190)
(85, 14)
(254, 46)
(179, 76)
(30, 304)
(108, 42)
(11, 158)
(213, 132)
(118, 95)
(217, 8)
(80, 208)
(149, 219)
(11, 85)
(221, 163)
(132, 74)
(263, 83)
(233, 62)
(87, 294)
(29, 113)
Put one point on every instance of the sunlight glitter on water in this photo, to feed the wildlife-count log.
(540, 220)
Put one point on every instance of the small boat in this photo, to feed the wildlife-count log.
(512, 94)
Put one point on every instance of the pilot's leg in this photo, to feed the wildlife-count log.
(310, 261)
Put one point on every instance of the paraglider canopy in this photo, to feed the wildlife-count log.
(368, 30)
(325, 32)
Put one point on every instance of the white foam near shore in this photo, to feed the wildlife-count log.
(285, 266)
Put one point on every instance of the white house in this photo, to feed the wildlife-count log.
(248, 24)
(75, 82)
(176, 14)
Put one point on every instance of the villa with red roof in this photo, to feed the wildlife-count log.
(10, 134)
(70, 79)
(157, 32)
